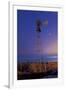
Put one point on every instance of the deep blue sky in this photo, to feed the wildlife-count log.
(27, 36)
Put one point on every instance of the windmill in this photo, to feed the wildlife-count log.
(40, 24)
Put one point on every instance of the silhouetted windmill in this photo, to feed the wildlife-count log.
(39, 24)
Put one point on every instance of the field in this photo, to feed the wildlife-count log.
(37, 70)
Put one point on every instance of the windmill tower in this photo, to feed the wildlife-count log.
(39, 24)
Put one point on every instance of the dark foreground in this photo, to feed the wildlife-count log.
(37, 71)
(38, 75)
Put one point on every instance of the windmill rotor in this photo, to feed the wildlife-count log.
(38, 26)
(40, 23)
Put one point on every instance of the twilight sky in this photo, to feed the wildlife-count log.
(27, 36)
